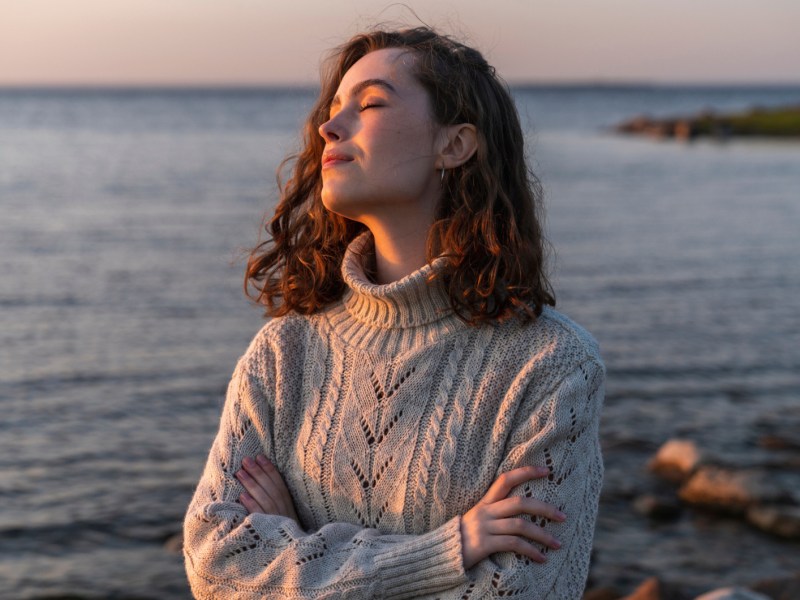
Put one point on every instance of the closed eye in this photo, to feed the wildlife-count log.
(364, 107)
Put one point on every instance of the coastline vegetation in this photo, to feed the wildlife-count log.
(779, 122)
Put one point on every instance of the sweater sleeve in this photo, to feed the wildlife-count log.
(558, 430)
(231, 554)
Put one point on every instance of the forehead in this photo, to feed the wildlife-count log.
(394, 65)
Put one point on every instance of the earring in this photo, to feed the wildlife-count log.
(441, 179)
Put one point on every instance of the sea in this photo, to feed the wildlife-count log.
(125, 217)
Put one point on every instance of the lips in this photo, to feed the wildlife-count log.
(332, 158)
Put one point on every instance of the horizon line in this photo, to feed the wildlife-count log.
(288, 85)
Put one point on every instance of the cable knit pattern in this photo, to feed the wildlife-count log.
(389, 418)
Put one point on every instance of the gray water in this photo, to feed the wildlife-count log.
(124, 216)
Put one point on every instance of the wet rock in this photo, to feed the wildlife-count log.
(685, 130)
(777, 441)
(733, 593)
(729, 490)
(648, 590)
(601, 593)
(174, 543)
(635, 125)
(780, 520)
(677, 459)
(659, 507)
(787, 588)
(655, 589)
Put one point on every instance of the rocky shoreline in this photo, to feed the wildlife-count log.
(782, 122)
(724, 512)
(727, 503)
(690, 509)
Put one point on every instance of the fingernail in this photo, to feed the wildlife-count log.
(560, 516)
(556, 544)
(262, 459)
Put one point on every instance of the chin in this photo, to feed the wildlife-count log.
(349, 208)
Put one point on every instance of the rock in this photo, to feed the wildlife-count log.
(660, 507)
(778, 441)
(780, 589)
(733, 593)
(773, 122)
(601, 593)
(655, 589)
(676, 460)
(781, 520)
(174, 543)
(648, 590)
(730, 490)
(636, 125)
(684, 130)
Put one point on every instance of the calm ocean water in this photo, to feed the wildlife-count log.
(123, 218)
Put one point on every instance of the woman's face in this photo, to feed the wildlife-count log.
(380, 159)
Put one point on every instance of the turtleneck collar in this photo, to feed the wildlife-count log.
(409, 302)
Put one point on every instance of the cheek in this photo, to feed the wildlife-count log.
(402, 150)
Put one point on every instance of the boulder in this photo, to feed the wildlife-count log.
(733, 593)
(786, 588)
(685, 130)
(779, 441)
(779, 519)
(655, 589)
(659, 507)
(732, 491)
(601, 593)
(174, 543)
(677, 459)
(635, 125)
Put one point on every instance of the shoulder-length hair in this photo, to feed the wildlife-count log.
(487, 222)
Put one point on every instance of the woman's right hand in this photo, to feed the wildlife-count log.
(492, 525)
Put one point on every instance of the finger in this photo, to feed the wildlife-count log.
(257, 492)
(278, 489)
(526, 529)
(507, 481)
(270, 479)
(520, 505)
(514, 543)
(262, 478)
(251, 505)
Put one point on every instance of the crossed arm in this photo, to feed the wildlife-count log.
(243, 537)
(492, 525)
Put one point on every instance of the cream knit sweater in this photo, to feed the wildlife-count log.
(389, 418)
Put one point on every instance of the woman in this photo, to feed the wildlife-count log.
(416, 421)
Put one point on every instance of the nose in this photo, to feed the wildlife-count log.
(330, 131)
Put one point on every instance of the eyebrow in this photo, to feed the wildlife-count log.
(361, 86)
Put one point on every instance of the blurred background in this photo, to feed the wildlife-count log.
(138, 150)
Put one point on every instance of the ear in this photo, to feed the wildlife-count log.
(459, 143)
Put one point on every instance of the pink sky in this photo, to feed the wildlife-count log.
(265, 41)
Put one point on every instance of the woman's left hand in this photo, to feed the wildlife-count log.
(266, 491)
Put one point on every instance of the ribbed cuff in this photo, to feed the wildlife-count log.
(427, 564)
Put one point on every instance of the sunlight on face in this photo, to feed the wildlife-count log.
(380, 159)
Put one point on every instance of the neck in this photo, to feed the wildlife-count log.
(398, 253)
(391, 319)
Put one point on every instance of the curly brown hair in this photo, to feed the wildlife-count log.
(487, 223)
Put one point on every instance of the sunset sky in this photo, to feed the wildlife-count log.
(256, 42)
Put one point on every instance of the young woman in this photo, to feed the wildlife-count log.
(416, 420)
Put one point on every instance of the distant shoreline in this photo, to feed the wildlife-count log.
(778, 122)
(520, 85)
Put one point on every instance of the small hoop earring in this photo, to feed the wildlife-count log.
(441, 179)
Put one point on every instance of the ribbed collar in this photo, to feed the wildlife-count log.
(409, 302)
